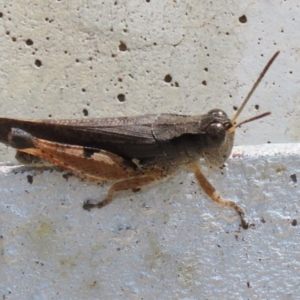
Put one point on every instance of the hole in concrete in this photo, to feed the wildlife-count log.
(168, 78)
(243, 19)
(294, 178)
(30, 179)
(29, 42)
(121, 97)
(38, 63)
(122, 46)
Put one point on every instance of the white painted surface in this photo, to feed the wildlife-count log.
(169, 242)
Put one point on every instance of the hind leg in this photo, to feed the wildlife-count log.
(133, 184)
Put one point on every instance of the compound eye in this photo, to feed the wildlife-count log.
(218, 113)
(216, 133)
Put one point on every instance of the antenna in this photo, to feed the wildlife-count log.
(266, 68)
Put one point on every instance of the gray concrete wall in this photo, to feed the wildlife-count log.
(73, 59)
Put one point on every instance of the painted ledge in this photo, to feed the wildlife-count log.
(169, 242)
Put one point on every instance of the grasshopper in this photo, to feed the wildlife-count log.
(133, 151)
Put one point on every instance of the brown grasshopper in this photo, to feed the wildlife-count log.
(131, 151)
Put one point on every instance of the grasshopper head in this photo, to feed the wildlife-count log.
(219, 135)
(218, 138)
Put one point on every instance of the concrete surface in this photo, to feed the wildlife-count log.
(168, 242)
(82, 59)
